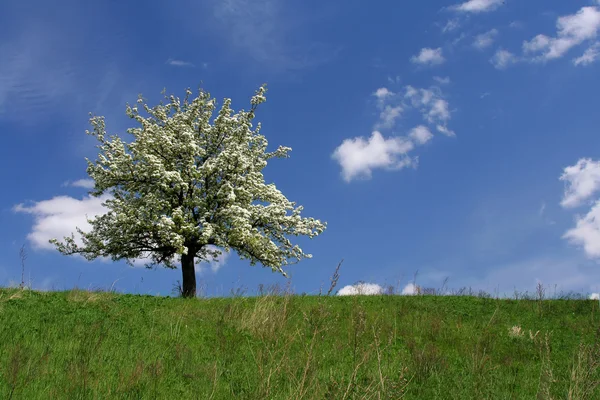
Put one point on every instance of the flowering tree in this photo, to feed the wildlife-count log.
(190, 187)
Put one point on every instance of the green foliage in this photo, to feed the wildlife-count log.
(80, 344)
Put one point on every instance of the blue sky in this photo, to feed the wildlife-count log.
(459, 140)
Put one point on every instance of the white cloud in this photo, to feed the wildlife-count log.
(361, 289)
(582, 181)
(595, 296)
(444, 129)
(420, 134)
(429, 56)
(383, 93)
(418, 97)
(411, 289)
(220, 261)
(388, 116)
(442, 81)
(451, 25)
(572, 30)
(586, 232)
(538, 43)
(435, 110)
(439, 111)
(58, 217)
(389, 113)
(485, 40)
(374, 289)
(359, 157)
(179, 63)
(83, 183)
(589, 56)
(477, 6)
(503, 59)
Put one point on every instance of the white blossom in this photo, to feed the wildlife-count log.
(188, 182)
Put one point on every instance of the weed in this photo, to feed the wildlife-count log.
(334, 278)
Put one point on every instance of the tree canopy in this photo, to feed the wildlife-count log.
(190, 186)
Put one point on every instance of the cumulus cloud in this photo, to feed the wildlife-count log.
(589, 56)
(582, 180)
(389, 113)
(538, 43)
(61, 215)
(429, 56)
(433, 107)
(586, 232)
(388, 116)
(361, 289)
(439, 111)
(485, 40)
(411, 289)
(420, 134)
(383, 93)
(572, 30)
(358, 157)
(478, 6)
(503, 58)
(58, 217)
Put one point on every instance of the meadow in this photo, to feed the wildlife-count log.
(82, 344)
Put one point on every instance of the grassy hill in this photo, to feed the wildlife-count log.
(97, 345)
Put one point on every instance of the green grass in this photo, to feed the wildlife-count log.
(97, 345)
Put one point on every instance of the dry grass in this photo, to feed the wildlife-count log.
(87, 296)
(584, 380)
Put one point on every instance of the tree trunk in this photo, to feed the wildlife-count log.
(189, 274)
